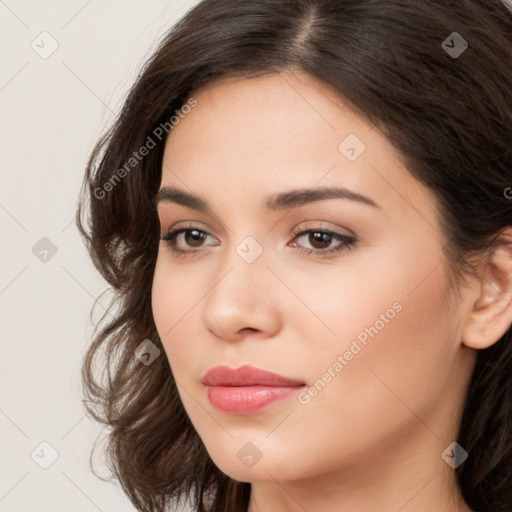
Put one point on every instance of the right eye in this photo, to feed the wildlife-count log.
(188, 237)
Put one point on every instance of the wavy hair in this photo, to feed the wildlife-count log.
(450, 118)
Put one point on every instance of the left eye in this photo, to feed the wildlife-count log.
(320, 240)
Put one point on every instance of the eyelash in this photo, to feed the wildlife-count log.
(348, 242)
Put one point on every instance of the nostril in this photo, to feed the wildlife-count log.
(248, 329)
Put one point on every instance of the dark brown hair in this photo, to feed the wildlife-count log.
(450, 118)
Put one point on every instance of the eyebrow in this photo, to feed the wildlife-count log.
(280, 201)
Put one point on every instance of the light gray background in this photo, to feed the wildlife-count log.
(52, 111)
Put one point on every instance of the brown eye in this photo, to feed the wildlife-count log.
(194, 237)
(319, 239)
(185, 240)
(322, 242)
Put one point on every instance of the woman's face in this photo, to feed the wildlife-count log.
(369, 329)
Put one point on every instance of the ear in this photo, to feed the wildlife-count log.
(491, 314)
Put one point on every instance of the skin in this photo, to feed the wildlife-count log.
(372, 438)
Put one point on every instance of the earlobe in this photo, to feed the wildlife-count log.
(491, 315)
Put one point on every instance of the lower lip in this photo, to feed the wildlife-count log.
(247, 399)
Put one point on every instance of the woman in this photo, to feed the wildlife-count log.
(305, 210)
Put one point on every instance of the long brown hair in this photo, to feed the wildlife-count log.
(446, 107)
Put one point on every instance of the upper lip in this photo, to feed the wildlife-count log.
(245, 376)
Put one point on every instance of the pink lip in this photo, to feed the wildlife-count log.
(246, 389)
(245, 376)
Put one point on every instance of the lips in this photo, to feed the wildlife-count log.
(247, 390)
(246, 376)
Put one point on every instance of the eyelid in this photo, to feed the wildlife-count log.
(175, 231)
(187, 225)
(322, 226)
(171, 210)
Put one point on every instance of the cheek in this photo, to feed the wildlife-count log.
(376, 397)
(375, 296)
(174, 293)
(176, 299)
(170, 301)
(391, 343)
(396, 353)
(162, 302)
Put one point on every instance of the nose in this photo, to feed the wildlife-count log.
(243, 300)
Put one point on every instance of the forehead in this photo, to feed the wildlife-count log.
(289, 111)
(270, 133)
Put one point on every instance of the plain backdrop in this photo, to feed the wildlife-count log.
(65, 67)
